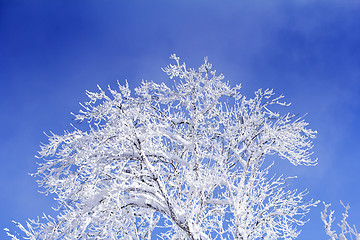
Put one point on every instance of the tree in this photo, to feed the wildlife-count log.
(187, 162)
(346, 229)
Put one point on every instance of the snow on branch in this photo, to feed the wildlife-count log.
(347, 231)
(188, 161)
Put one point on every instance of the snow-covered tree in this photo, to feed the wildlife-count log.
(182, 162)
(347, 231)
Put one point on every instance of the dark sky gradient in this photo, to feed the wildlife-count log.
(308, 50)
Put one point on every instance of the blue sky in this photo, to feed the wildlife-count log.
(308, 50)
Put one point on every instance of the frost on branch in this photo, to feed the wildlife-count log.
(347, 231)
(182, 162)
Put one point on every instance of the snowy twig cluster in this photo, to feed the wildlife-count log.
(347, 231)
(182, 162)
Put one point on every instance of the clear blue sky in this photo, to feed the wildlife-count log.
(308, 50)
